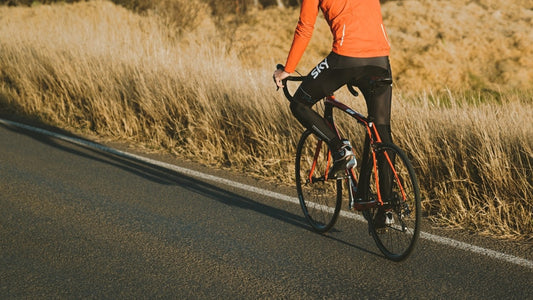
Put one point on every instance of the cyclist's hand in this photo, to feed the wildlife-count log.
(278, 76)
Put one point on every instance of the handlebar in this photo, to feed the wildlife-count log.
(352, 90)
(290, 78)
(301, 78)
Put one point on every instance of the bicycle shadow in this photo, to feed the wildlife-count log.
(165, 176)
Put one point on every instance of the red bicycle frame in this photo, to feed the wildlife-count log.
(331, 102)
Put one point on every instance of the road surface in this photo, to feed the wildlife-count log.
(80, 222)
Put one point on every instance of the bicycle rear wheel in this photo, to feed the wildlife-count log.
(395, 225)
(320, 197)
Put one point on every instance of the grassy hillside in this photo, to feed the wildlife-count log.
(201, 88)
(456, 44)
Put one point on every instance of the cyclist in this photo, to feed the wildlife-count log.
(359, 56)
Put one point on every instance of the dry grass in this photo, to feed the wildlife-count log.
(98, 67)
(120, 75)
(474, 160)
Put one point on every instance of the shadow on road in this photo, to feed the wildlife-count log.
(161, 175)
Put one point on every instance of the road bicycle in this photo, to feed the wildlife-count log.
(392, 210)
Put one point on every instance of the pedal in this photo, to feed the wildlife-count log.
(389, 218)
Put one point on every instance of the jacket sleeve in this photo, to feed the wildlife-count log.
(303, 33)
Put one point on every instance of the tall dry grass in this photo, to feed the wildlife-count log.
(102, 69)
(474, 159)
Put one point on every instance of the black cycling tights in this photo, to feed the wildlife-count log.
(331, 74)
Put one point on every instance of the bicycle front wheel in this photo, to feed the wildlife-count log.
(320, 197)
(395, 225)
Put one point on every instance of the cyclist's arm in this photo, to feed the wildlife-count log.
(302, 34)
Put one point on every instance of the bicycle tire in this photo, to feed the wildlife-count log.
(401, 211)
(320, 197)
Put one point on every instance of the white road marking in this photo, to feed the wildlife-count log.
(424, 235)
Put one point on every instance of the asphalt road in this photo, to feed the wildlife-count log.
(77, 222)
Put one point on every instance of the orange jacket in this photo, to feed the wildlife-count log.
(356, 25)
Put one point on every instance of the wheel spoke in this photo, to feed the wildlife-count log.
(397, 239)
(320, 199)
